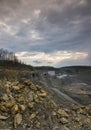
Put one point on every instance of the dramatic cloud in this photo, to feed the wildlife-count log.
(47, 27)
(54, 58)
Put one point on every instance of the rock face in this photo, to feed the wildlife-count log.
(28, 106)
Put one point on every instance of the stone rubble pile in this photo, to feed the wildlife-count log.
(26, 106)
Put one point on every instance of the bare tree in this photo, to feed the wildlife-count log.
(7, 56)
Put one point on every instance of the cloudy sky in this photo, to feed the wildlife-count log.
(47, 32)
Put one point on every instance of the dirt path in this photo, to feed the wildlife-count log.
(61, 94)
(52, 87)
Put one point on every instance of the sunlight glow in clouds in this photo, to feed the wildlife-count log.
(37, 13)
(51, 59)
(34, 35)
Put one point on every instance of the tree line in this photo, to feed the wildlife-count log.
(9, 59)
(5, 55)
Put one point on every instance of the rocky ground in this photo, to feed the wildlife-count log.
(25, 105)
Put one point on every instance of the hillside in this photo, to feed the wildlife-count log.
(29, 100)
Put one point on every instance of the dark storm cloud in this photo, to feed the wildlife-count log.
(46, 26)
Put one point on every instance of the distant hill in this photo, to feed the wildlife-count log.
(74, 69)
(45, 68)
(66, 68)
